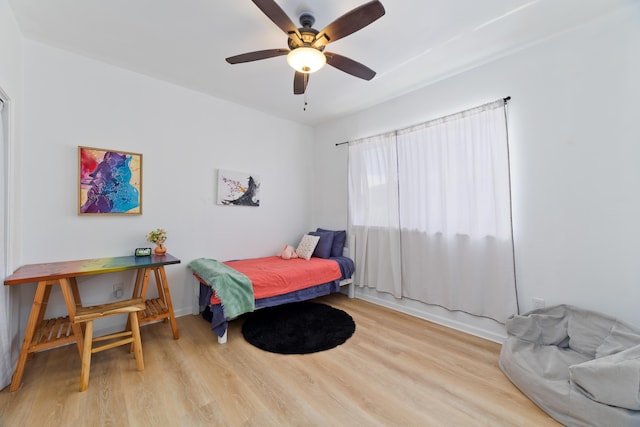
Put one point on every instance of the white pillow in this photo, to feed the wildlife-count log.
(307, 245)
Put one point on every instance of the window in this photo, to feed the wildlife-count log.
(431, 213)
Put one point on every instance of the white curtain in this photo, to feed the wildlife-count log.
(5, 306)
(374, 215)
(454, 213)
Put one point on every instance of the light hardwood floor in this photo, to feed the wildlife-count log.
(396, 370)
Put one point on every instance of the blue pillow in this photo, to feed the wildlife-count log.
(339, 240)
(323, 248)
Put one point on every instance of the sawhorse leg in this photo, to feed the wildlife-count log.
(38, 308)
(140, 291)
(36, 317)
(161, 278)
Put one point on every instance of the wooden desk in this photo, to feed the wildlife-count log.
(42, 334)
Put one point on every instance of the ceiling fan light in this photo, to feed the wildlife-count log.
(306, 59)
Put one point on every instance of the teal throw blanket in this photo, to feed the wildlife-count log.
(232, 287)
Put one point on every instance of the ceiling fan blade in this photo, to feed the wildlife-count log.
(349, 66)
(300, 82)
(277, 15)
(257, 55)
(352, 21)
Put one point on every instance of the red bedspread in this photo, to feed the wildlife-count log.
(273, 275)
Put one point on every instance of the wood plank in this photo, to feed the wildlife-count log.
(76, 268)
(395, 370)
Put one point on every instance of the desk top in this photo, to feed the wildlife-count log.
(65, 269)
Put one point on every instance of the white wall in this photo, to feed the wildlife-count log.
(184, 137)
(574, 138)
(11, 75)
(574, 134)
(11, 83)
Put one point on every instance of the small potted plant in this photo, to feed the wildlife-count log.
(158, 236)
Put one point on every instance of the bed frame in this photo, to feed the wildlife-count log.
(344, 282)
(347, 282)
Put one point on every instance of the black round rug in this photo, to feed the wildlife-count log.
(298, 328)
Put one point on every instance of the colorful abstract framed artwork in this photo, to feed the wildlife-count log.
(110, 182)
(238, 188)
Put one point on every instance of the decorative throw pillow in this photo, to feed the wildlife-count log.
(339, 240)
(306, 246)
(323, 248)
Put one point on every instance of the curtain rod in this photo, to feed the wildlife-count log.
(506, 99)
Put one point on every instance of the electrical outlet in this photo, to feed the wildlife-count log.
(118, 290)
(538, 303)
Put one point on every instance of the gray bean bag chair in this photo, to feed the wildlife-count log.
(579, 366)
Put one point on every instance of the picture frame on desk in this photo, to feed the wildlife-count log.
(109, 182)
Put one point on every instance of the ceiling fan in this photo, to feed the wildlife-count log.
(306, 44)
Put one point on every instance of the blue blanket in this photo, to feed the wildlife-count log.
(347, 266)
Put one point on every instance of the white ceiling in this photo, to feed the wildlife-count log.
(186, 42)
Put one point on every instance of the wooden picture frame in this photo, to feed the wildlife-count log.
(109, 182)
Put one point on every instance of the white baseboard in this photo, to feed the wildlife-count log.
(183, 312)
(435, 318)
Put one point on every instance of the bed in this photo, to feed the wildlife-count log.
(232, 288)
